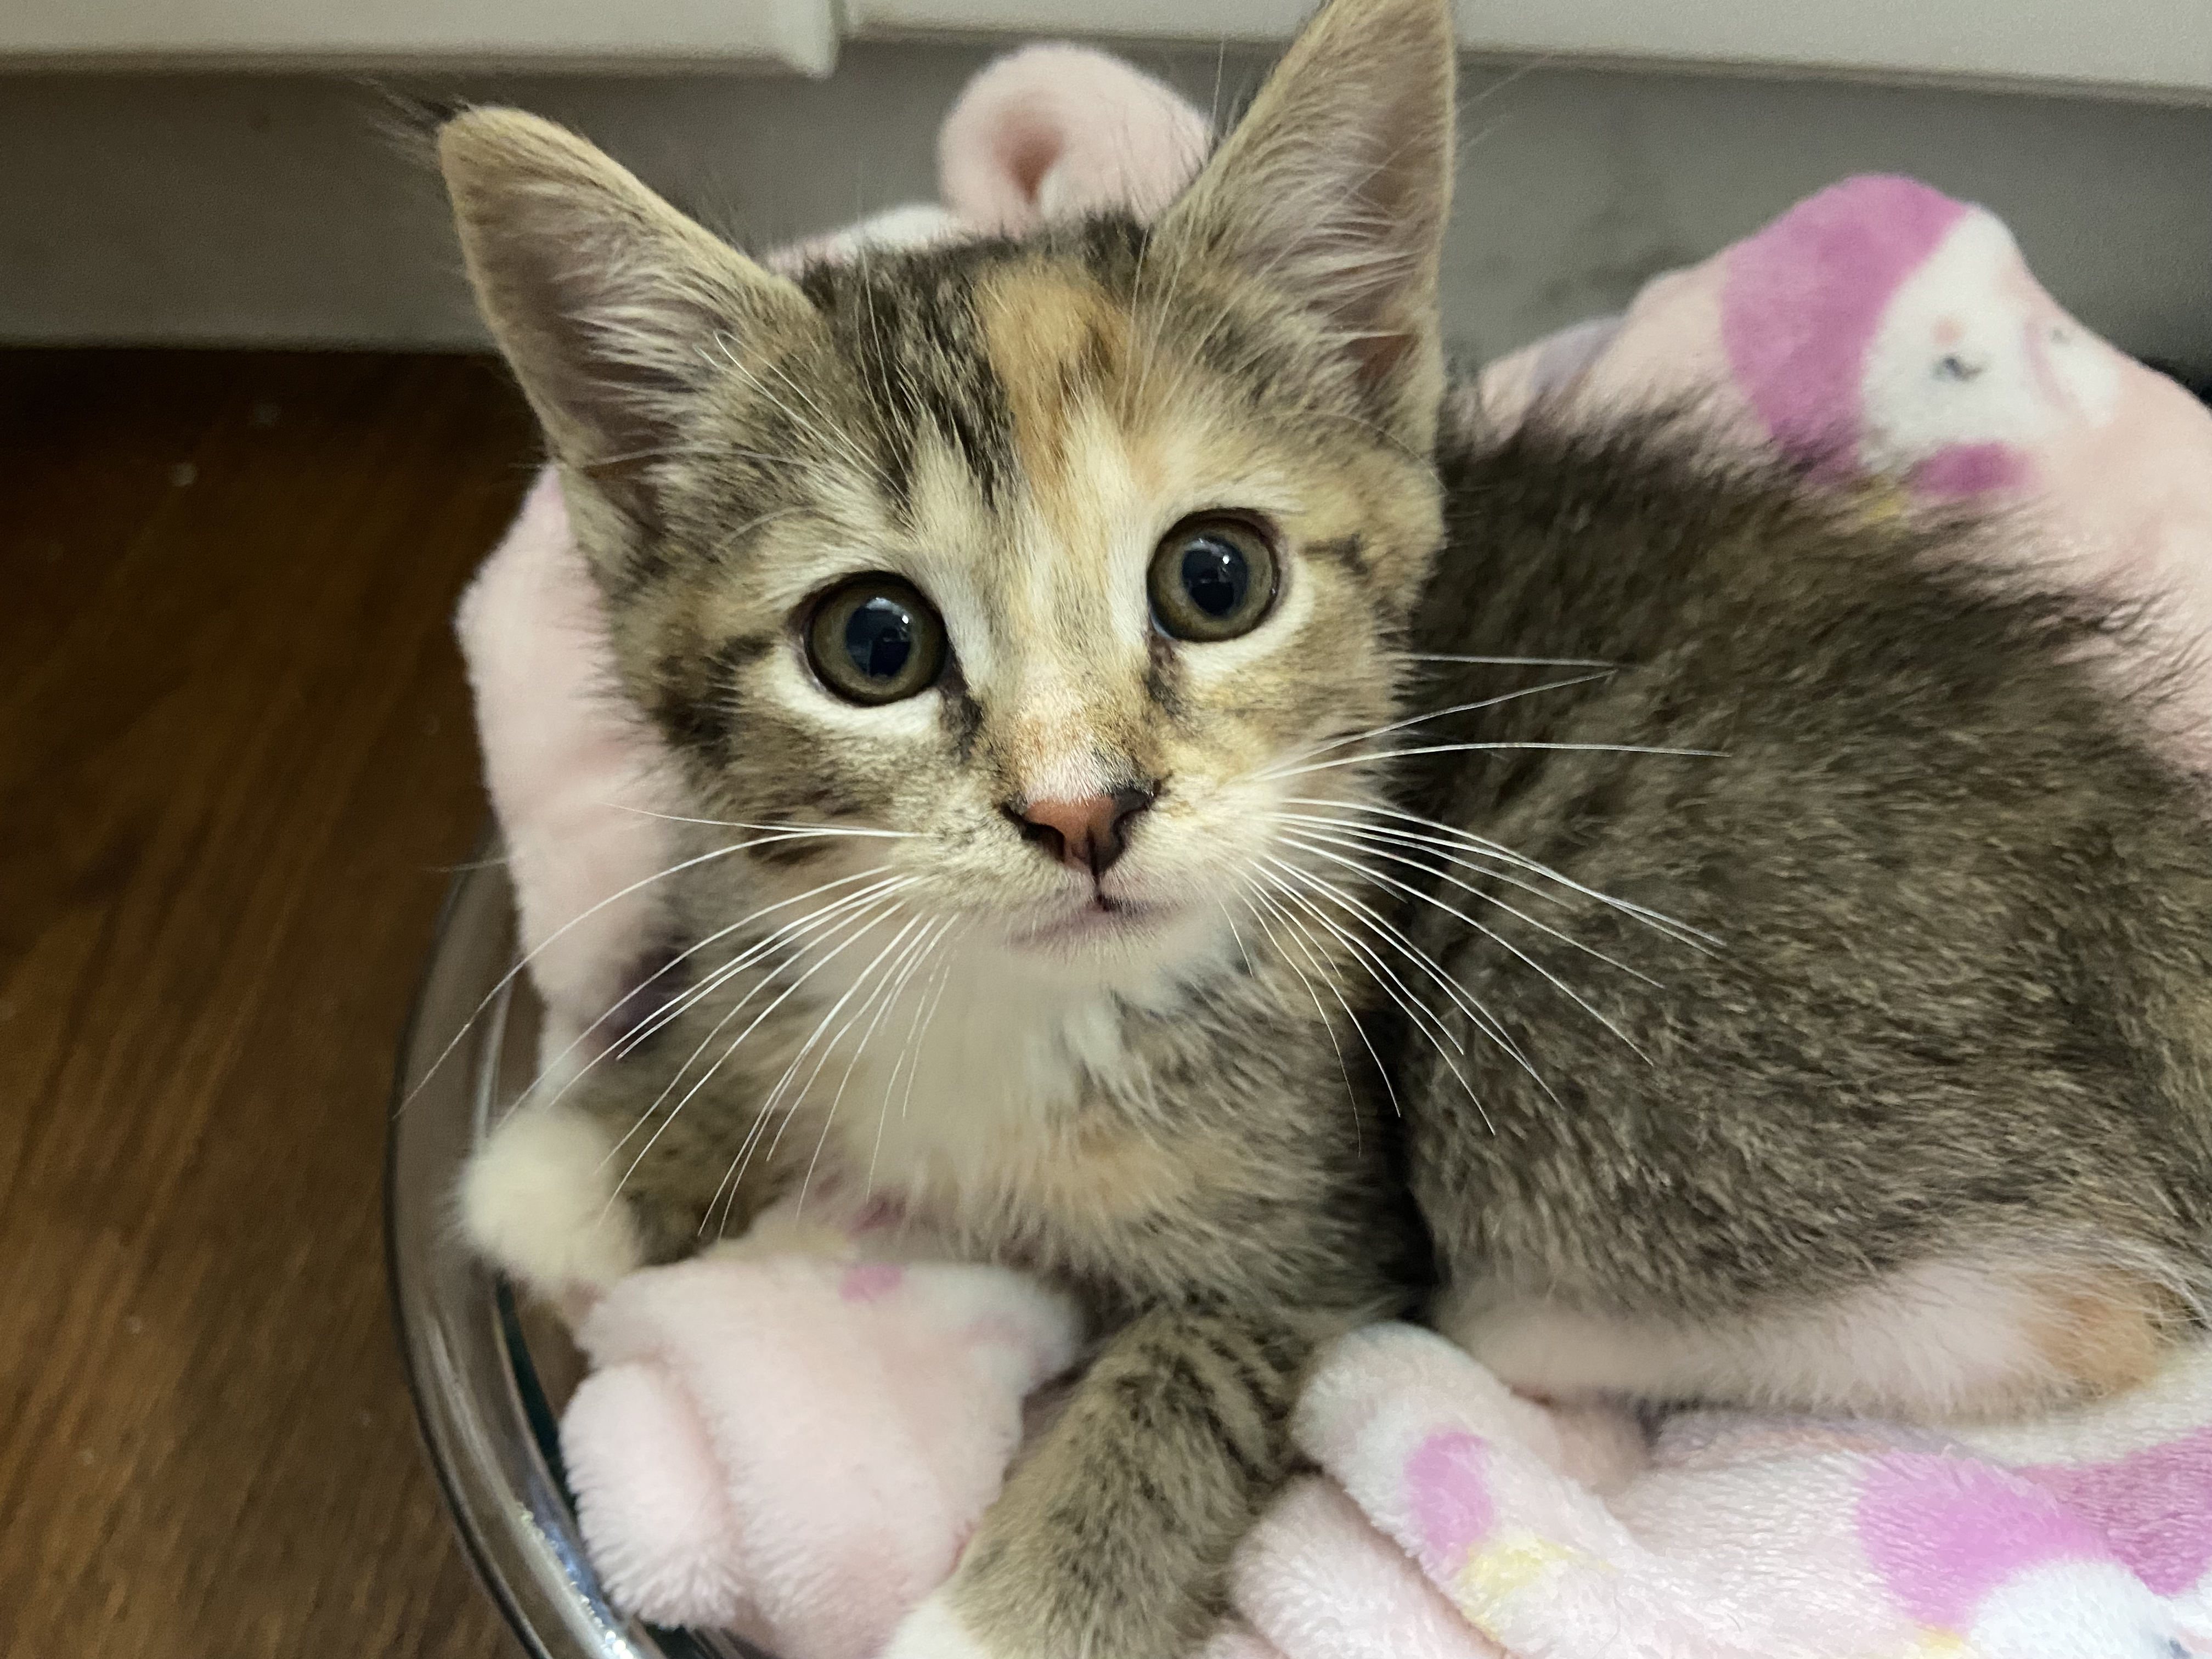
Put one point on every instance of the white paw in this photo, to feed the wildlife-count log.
(933, 1631)
(538, 1198)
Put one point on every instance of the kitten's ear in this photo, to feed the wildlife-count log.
(606, 300)
(1335, 187)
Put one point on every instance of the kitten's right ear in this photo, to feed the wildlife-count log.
(603, 296)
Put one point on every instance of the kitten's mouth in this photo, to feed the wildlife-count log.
(1101, 917)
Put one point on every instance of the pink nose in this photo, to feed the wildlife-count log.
(1088, 834)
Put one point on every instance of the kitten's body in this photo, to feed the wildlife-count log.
(1061, 944)
(1917, 1118)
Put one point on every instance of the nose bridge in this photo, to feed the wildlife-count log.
(1066, 717)
(1051, 743)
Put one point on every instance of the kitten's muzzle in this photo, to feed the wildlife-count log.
(1088, 834)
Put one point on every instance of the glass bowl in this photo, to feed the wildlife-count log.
(490, 1374)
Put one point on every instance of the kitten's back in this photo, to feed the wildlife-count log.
(1904, 1106)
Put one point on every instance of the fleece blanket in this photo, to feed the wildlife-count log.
(1450, 1520)
(793, 1436)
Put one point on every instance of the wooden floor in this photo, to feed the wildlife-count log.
(235, 756)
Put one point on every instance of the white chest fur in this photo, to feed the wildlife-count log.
(963, 1071)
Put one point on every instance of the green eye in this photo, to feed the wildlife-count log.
(1212, 578)
(876, 639)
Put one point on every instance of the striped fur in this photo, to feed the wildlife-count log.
(1150, 1085)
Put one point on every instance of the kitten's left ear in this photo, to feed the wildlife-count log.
(1334, 191)
(603, 296)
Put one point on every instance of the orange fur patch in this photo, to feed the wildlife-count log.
(1057, 342)
(2102, 1333)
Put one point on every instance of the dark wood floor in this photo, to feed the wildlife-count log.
(234, 756)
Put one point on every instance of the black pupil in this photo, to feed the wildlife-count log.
(1215, 576)
(879, 637)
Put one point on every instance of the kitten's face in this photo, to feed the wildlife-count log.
(1045, 564)
(1157, 579)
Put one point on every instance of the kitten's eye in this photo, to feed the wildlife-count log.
(1213, 579)
(876, 639)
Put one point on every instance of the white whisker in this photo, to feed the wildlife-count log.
(674, 1006)
(1412, 891)
(1507, 662)
(1350, 1094)
(1456, 708)
(1450, 852)
(944, 983)
(1239, 937)
(1364, 841)
(1424, 1020)
(539, 949)
(850, 915)
(799, 830)
(866, 923)
(909, 1055)
(775, 1099)
(1686, 934)
(1480, 1017)
(1481, 748)
(897, 979)
(1284, 904)
(783, 934)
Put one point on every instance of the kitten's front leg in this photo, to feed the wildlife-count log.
(569, 1194)
(1112, 1538)
(537, 1199)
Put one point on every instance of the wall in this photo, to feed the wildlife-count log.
(243, 209)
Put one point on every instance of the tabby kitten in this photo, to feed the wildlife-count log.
(982, 595)
(1800, 995)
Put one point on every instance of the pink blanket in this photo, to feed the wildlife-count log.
(794, 1436)
(1453, 1521)
(1894, 338)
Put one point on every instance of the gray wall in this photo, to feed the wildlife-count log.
(271, 210)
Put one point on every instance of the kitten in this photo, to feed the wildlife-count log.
(982, 594)
(1047, 634)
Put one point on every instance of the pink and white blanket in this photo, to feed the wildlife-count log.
(794, 1437)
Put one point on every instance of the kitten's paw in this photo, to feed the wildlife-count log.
(537, 1198)
(933, 1631)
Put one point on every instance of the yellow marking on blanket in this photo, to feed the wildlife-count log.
(1516, 1561)
(1937, 1644)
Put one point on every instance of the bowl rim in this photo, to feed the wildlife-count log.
(480, 1409)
